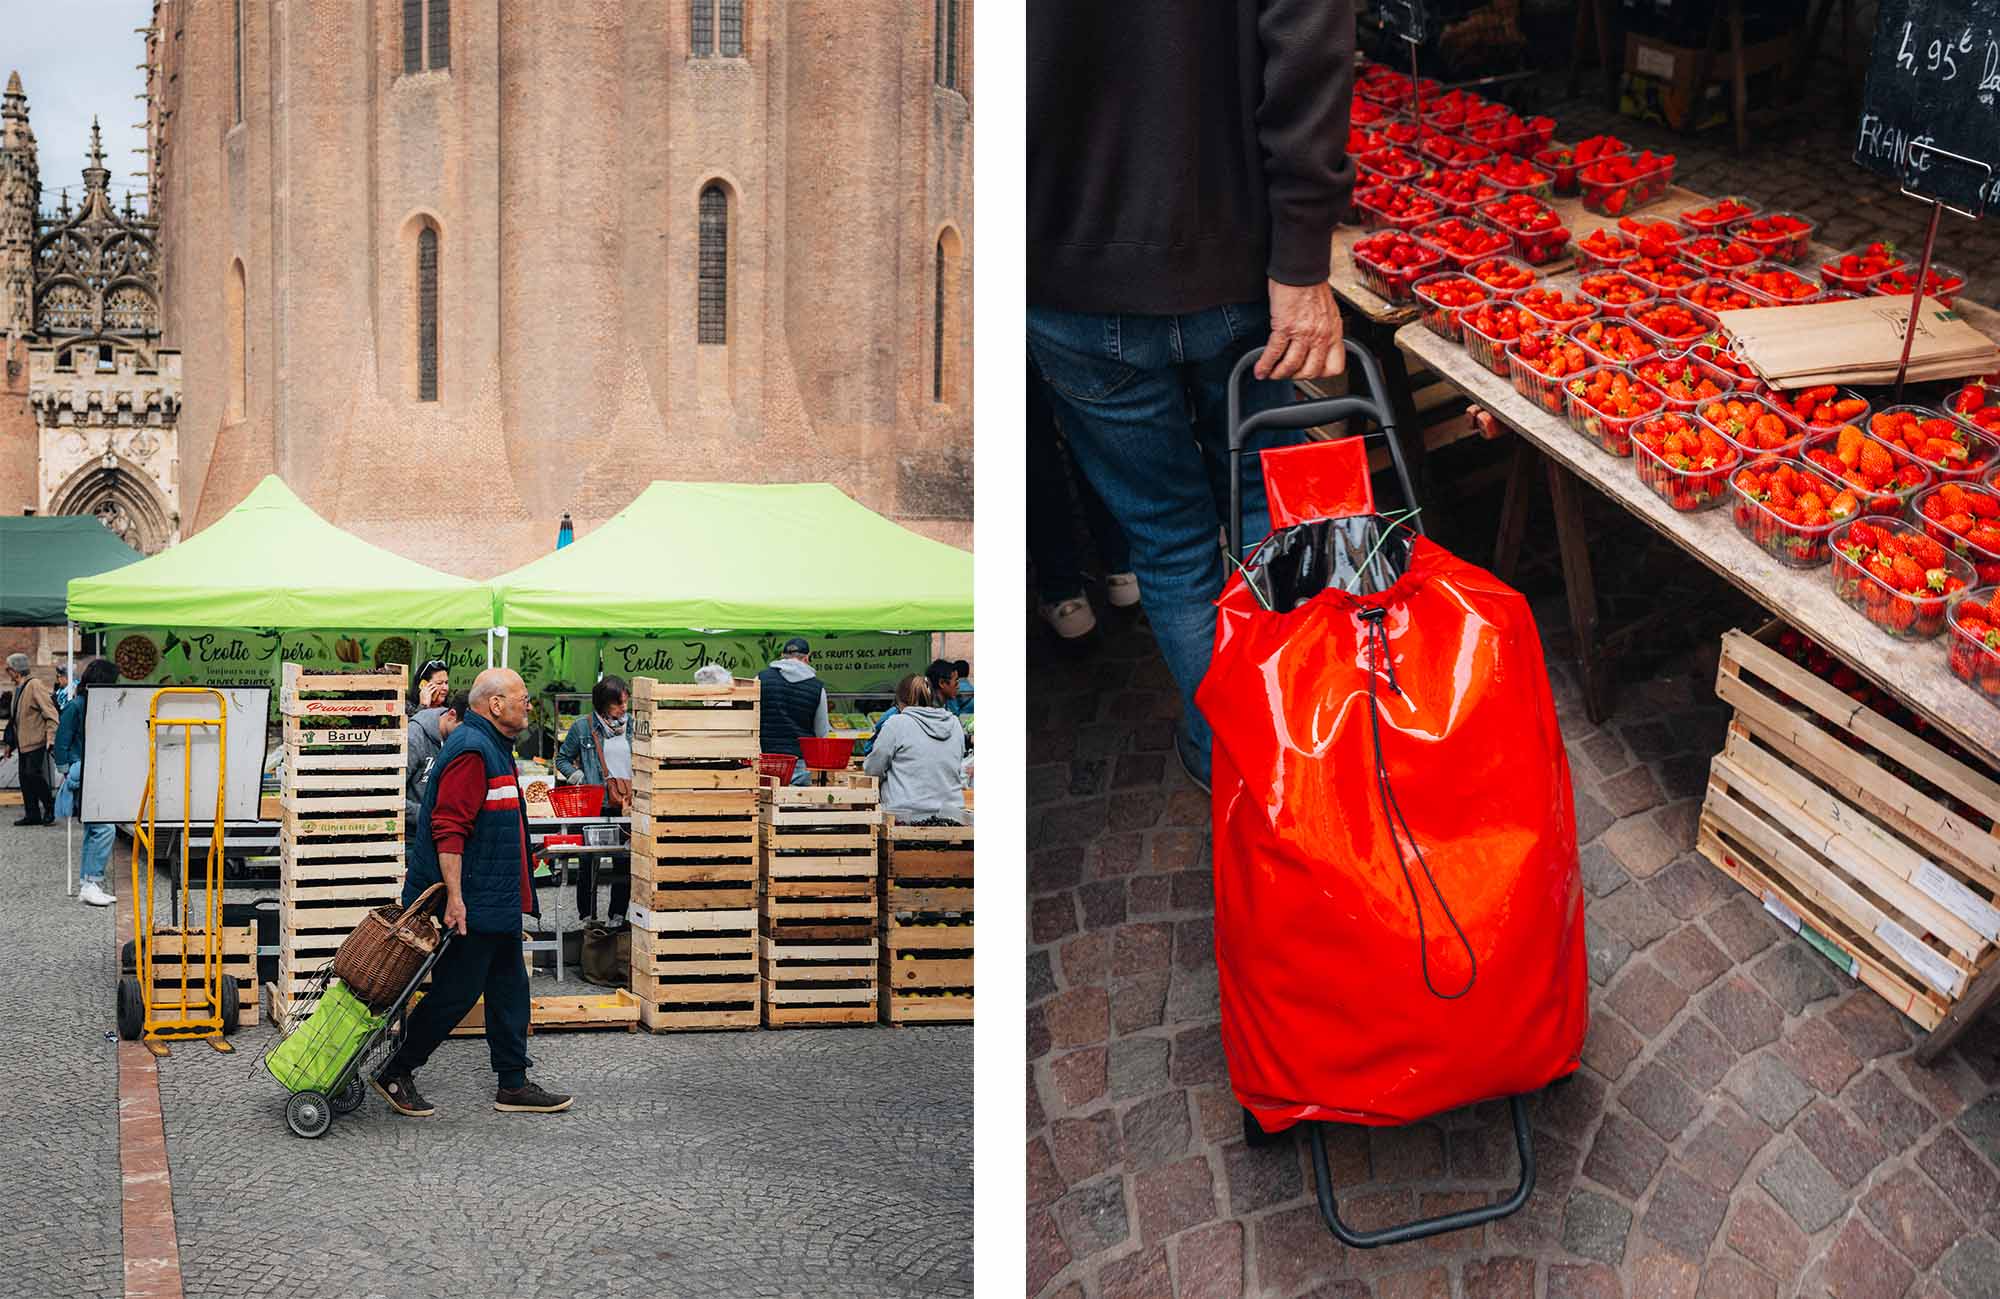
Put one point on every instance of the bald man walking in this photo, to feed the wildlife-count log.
(472, 835)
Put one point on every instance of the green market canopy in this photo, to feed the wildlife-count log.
(39, 556)
(273, 563)
(742, 557)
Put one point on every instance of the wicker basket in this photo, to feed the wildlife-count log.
(379, 958)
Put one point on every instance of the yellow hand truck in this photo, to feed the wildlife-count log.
(208, 1005)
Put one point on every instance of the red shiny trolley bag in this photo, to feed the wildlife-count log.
(1398, 908)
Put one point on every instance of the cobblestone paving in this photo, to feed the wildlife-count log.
(58, 1079)
(1746, 1122)
(802, 1162)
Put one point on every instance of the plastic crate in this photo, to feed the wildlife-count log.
(1719, 214)
(1615, 294)
(1614, 343)
(1489, 350)
(1833, 277)
(1898, 613)
(1892, 499)
(1715, 254)
(1614, 197)
(1796, 545)
(1800, 290)
(1942, 283)
(1544, 389)
(1507, 276)
(1788, 244)
(1611, 432)
(1981, 450)
(1683, 392)
(1713, 293)
(1737, 431)
(1393, 283)
(1655, 323)
(1372, 204)
(1564, 172)
(1975, 659)
(1985, 560)
(1536, 247)
(1434, 232)
(1687, 490)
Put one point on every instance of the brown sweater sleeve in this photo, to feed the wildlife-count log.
(1302, 125)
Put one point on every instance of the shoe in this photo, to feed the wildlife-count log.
(1071, 619)
(94, 895)
(34, 820)
(1193, 763)
(402, 1094)
(1122, 589)
(528, 1099)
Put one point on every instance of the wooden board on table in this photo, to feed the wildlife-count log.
(903, 1008)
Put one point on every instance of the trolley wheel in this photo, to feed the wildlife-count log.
(309, 1114)
(128, 956)
(1255, 1137)
(232, 1005)
(348, 1099)
(131, 1009)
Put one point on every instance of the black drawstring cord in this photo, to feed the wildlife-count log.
(1392, 812)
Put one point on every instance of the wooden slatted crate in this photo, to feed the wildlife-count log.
(694, 737)
(927, 924)
(340, 842)
(1874, 844)
(820, 862)
(239, 962)
(819, 983)
(695, 849)
(696, 969)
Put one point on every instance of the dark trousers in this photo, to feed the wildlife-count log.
(472, 965)
(586, 890)
(39, 801)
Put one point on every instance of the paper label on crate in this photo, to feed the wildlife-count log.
(1961, 901)
(1776, 906)
(1652, 61)
(1837, 956)
(1934, 969)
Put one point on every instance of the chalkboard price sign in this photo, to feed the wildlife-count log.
(1409, 19)
(1930, 117)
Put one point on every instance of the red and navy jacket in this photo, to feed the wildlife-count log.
(473, 807)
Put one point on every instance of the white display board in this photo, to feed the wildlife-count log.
(115, 753)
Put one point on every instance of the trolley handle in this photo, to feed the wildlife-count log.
(1376, 407)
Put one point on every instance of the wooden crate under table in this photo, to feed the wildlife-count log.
(1894, 882)
(820, 862)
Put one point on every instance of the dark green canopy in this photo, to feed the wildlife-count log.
(38, 557)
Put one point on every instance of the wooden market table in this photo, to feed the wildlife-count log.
(1916, 673)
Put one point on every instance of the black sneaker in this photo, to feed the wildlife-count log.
(402, 1095)
(528, 1099)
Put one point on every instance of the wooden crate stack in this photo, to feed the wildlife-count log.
(927, 924)
(340, 845)
(694, 855)
(820, 904)
(239, 962)
(1875, 845)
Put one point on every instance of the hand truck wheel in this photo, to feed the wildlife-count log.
(131, 1009)
(348, 1099)
(232, 1005)
(1254, 1135)
(309, 1114)
(128, 956)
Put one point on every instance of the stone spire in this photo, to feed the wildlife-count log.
(20, 196)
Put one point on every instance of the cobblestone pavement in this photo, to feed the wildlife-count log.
(1746, 1122)
(58, 1079)
(799, 1162)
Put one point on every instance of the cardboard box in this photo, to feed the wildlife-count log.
(1659, 80)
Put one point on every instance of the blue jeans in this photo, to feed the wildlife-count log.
(1143, 402)
(98, 836)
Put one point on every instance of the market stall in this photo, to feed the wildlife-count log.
(1592, 325)
(729, 888)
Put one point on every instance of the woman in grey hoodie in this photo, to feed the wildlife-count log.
(919, 753)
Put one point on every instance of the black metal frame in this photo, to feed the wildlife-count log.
(1378, 409)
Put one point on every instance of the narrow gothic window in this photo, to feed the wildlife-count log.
(239, 60)
(440, 33)
(427, 314)
(951, 44)
(713, 268)
(732, 29)
(701, 28)
(937, 328)
(937, 44)
(413, 35)
(238, 327)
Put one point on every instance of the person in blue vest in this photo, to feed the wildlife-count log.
(472, 834)
(792, 703)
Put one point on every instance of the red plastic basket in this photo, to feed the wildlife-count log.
(577, 800)
(826, 753)
(776, 766)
